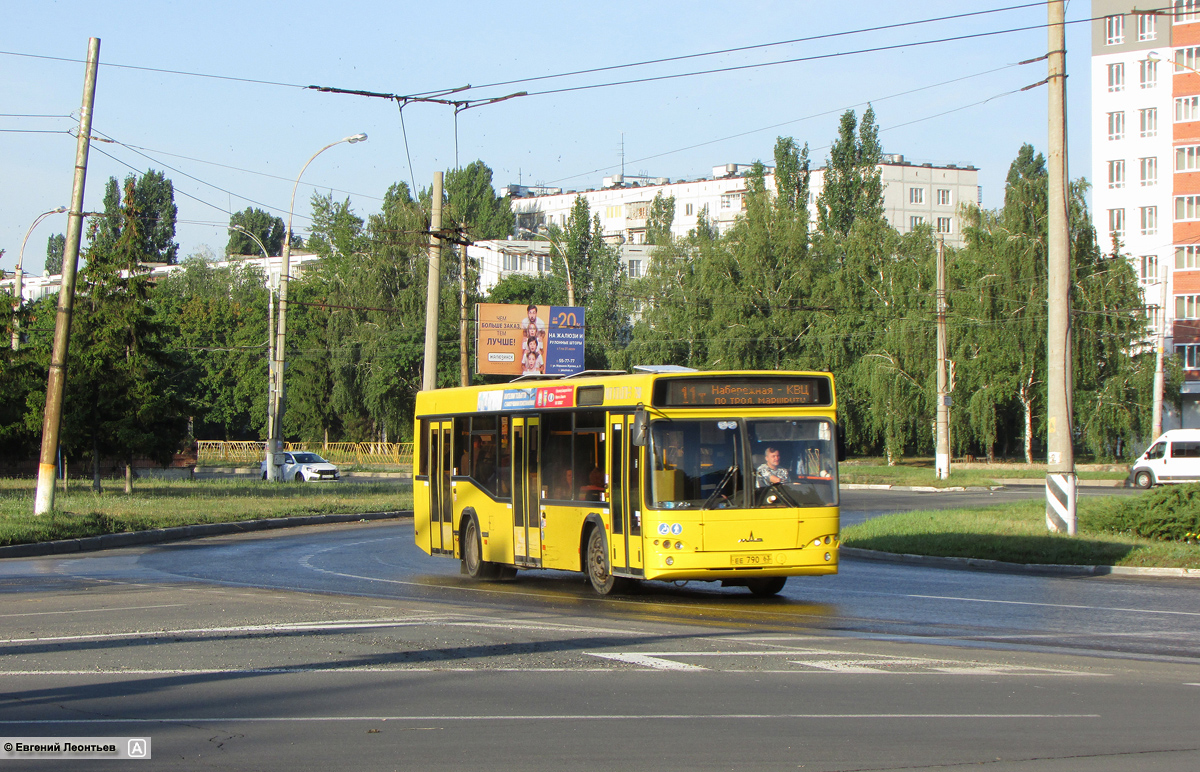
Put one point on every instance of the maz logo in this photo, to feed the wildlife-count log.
(750, 539)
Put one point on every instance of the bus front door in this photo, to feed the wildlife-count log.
(624, 476)
(441, 499)
(526, 496)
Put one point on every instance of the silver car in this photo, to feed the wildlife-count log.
(303, 466)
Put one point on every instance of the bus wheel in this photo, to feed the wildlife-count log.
(474, 565)
(597, 566)
(1143, 480)
(765, 588)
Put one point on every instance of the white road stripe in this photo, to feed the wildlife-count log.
(646, 660)
(555, 717)
(1053, 605)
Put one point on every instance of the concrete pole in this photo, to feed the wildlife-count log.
(942, 458)
(57, 380)
(1060, 472)
(464, 367)
(434, 287)
(1158, 357)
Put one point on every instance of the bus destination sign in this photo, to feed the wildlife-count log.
(742, 392)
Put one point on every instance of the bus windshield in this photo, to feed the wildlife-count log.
(743, 463)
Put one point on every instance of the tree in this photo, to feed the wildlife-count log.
(153, 196)
(853, 185)
(54, 253)
(120, 396)
(658, 223)
(472, 204)
(265, 227)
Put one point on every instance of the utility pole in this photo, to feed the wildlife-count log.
(1158, 357)
(464, 369)
(429, 382)
(942, 458)
(57, 380)
(1060, 457)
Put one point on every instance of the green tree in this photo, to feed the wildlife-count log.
(152, 195)
(120, 398)
(472, 204)
(660, 219)
(54, 253)
(265, 227)
(216, 320)
(853, 185)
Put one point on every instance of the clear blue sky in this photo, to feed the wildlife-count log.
(242, 143)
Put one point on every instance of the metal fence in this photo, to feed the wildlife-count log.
(345, 453)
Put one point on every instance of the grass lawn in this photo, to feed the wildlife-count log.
(1017, 533)
(163, 504)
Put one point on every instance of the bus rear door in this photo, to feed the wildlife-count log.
(526, 488)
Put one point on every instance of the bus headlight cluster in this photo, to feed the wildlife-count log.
(666, 543)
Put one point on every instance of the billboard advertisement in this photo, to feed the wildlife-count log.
(528, 340)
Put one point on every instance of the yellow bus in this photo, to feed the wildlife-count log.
(663, 474)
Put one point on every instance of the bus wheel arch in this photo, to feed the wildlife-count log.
(596, 563)
(470, 541)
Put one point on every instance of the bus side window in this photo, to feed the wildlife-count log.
(462, 443)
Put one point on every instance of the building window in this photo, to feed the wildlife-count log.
(1116, 221)
(1187, 158)
(1187, 108)
(1149, 220)
(1185, 58)
(1149, 171)
(1114, 29)
(1186, 10)
(943, 225)
(1187, 208)
(689, 209)
(731, 201)
(1147, 26)
(915, 222)
(511, 262)
(916, 195)
(635, 269)
(1148, 122)
(1148, 73)
(1187, 257)
(1187, 306)
(1116, 174)
(1116, 125)
(1148, 270)
(1116, 77)
(943, 197)
(1189, 356)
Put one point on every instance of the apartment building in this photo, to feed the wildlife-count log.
(914, 194)
(1145, 89)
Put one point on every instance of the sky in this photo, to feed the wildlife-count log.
(214, 95)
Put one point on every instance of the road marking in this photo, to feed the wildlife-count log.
(92, 610)
(645, 660)
(555, 717)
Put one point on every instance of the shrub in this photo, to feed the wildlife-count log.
(1169, 513)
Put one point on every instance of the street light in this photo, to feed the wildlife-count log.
(554, 244)
(270, 326)
(16, 332)
(276, 420)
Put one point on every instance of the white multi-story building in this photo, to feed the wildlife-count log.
(914, 194)
(1145, 91)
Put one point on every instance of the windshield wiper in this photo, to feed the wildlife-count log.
(729, 473)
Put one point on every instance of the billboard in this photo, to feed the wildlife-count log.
(528, 340)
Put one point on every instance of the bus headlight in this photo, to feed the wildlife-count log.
(828, 557)
(670, 561)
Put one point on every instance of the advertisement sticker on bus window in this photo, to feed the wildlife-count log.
(489, 401)
(556, 396)
(519, 399)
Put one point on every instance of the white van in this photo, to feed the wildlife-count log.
(1173, 458)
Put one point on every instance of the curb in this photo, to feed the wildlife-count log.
(1000, 566)
(180, 533)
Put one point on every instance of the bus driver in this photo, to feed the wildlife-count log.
(771, 472)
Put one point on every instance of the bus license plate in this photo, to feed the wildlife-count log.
(762, 559)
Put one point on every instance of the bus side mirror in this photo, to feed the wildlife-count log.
(637, 429)
(841, 442)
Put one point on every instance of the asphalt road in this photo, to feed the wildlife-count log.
(346, 647)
